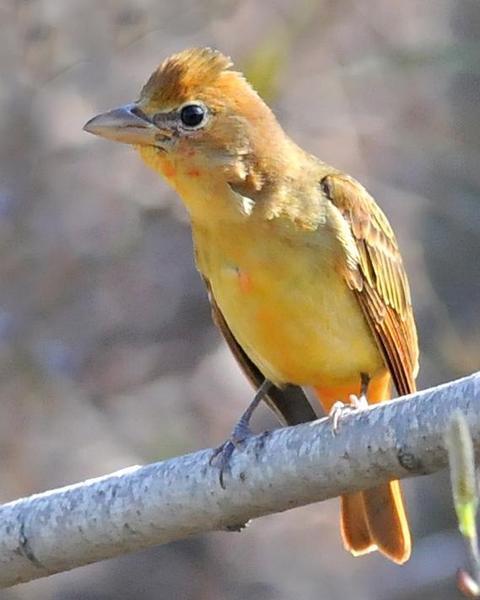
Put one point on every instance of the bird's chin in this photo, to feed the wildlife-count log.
(162, 143)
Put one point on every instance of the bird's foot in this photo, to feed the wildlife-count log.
(222, 455)
(340, 409)
(356, 403)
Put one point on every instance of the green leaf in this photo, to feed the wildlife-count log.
(462, 474)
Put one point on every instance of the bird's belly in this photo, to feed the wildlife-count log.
(294, 315)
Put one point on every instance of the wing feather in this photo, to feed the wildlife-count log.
(382, 288)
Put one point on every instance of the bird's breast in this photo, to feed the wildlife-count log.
(286, 303)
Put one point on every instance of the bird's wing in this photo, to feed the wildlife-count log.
(289, 403)
(378, 278)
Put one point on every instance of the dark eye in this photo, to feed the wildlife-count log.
(192, 115)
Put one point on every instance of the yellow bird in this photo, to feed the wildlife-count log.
(303, 269)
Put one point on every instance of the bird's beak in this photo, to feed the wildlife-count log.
(127, 124)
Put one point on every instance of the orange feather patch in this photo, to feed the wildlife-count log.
(184, 74)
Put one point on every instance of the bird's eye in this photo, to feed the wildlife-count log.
(192, 115)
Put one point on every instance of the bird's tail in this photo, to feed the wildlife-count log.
(374, 519)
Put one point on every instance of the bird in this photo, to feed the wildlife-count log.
(303, 270)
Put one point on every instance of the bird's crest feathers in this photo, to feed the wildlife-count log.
(181, 75)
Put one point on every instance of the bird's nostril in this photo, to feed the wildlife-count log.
(138, 112)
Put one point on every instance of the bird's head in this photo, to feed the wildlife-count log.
(196, 116)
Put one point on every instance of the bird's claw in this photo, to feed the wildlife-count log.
(221, 458)
(222, 455)
(340, 409)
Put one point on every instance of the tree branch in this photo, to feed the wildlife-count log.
(143, 506)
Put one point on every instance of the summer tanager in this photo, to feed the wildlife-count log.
(303, 269)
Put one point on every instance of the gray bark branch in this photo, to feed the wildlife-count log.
(170, 500)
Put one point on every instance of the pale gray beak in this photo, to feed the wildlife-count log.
(127, 124)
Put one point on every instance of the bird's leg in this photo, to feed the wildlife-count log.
(361, 402)
(221, 455)
(339, 409)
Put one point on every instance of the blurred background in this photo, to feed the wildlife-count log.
(108, 356)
